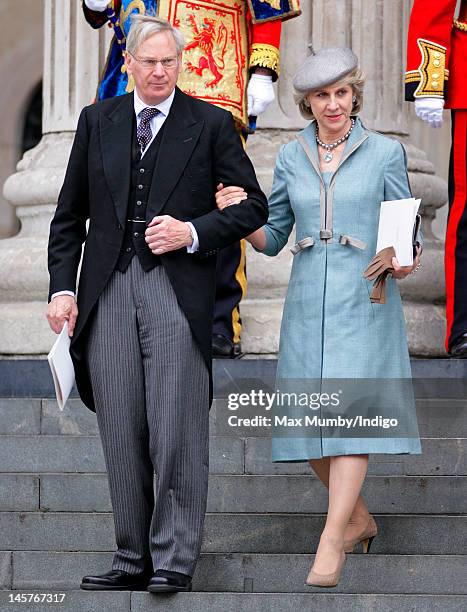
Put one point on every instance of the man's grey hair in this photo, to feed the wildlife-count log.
(145, 26)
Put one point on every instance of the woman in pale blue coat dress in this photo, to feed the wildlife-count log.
(331, 190)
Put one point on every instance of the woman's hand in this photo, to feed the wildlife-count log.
(227, 196)
(403, 271)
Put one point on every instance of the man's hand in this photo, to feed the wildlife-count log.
(62, 308)
(400, 272)
(430, 110)
(260, 93)
(166, 234)
(227, 196)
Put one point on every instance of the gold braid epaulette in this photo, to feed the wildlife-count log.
(265, 56)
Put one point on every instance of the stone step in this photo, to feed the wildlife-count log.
(373, 573)
(385, 494)
(245, 493)
(78, 454)
(81, 601)
(437, 418)
(245, 533)
(439, 457)
(32, 378)
(228, 455)
(299, 533)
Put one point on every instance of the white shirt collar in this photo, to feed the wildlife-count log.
(163, 106)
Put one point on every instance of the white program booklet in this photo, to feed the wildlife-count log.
(61, 366)
(396, 224)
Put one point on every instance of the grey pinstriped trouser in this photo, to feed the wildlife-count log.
(151, 391)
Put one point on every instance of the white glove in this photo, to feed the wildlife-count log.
(430, 110)
(260, 94)
(96, 5)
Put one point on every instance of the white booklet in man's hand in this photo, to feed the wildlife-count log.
(396, 225)
(61, 366)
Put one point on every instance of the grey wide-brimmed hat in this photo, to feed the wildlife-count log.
(324, 67)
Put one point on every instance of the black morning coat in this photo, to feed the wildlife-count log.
(200, 148)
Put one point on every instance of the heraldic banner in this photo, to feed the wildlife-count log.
(215, 58)
(269, 10)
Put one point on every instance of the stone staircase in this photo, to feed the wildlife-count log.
(263, 519)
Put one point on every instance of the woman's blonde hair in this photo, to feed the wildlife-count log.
(356, 80)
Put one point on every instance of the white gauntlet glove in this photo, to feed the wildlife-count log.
(97, 5)
(260, 94)
(430, 110)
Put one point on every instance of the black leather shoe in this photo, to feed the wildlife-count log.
(459, 348)
(223, 348)
(165, 581)
(116, 580)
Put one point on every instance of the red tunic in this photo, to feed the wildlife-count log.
(437, 52)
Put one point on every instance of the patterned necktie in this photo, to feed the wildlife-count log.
(144, 132)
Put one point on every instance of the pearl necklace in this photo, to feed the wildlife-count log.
(328, 155)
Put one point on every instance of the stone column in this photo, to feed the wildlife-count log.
(20, 45)
(73, 56)
(377, 32)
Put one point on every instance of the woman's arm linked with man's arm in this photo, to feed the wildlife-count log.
(272, 237)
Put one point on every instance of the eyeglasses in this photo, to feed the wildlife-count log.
(168, 63)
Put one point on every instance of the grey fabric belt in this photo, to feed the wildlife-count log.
(303, 244)
(309, 241)
(355, 242)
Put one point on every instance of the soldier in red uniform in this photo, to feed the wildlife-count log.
(435, 79)
(232, 59)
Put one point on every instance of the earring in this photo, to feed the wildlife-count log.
(306, 103)
(354, 99)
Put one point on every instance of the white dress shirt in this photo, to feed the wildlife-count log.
(156, 123)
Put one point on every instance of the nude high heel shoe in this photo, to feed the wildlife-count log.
(326, 580)
(366, 537)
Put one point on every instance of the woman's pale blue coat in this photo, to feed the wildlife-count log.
(330, 329)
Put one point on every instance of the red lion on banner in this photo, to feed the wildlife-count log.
(213, 45)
